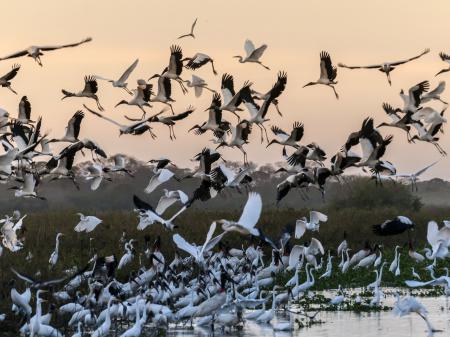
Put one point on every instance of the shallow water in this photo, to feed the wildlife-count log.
(348, 324)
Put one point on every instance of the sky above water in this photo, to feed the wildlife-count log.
(353, 32)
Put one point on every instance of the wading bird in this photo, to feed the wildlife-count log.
(5, 80)
(191, 34)
(253, 53)
(37, 51)
(121, 82)
(386, 67)
(90, 91)
(328, 73)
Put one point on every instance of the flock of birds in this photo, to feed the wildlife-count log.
(212, 286)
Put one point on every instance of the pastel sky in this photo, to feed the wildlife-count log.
(353, 32)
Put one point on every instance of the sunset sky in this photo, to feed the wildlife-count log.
(353, 32)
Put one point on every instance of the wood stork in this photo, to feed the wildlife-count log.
(136, 128)
(288, 139)
(297, 180)
(199, 60)
(276, 90)
(231, 99)
(395, 226)
(198, 84)
(429, 135)
(191, 34)
(24, 114)
(257, 113)
(5, 80)
(225, 176)
(173, 71)
(414, 177)
(412, 101)
(122, 81)
(386, 67)
(253, 53)
(396, 120)
(89, 91)
(72, 129)
(446, 58)
(148, 215)
(141, 97)
(434, 94)
(239, 137)
(61, 168)
(37, 51)
(214, 122)
(164, 92)
(328, 73)
(55, 254)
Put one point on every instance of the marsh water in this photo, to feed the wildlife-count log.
(346, 324)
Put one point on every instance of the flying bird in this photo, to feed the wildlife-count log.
(90, 91)
(37, 51)
(328, 73)
(191, 34)
(386, 67)
(5, 79)
(253, 54)
(121, 82)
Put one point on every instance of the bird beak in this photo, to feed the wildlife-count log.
(210, 107)
(271, 142)
(306, 85)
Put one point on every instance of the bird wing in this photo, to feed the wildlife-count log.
(279, 132)
(182, 115)
(96, 183)
(193, 25)
(294, 256)
(252, 211)
(103, 117)
(12, 73)
(184, 245)
(227, 88)
(14, 55)
(90, 85)
(228, 173)
(141, 204)
(432, 233)
(327, 71)
(316, 217)
(73, 127)
(162, 176)
(18, 224)
(438, 90)
(249, 47)
(315, 247)
(300, 228)
(418, 173)
(47, 48)
(426, 51)
(258, 52)
(373, 66)
(24, 109)
(416, 91)
(127, 72)
(164, 203)
(209, 235)
(213, 242)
